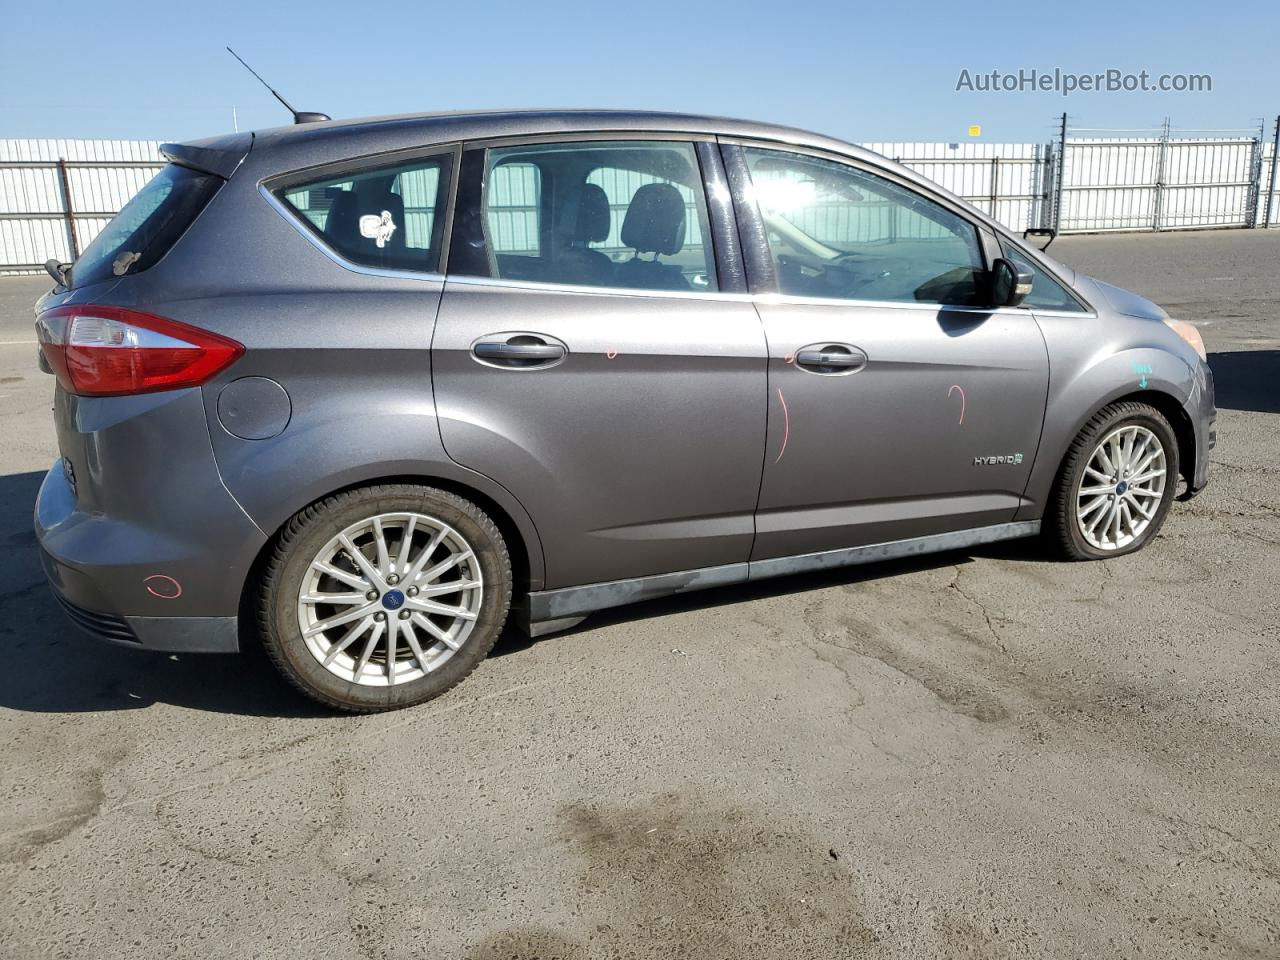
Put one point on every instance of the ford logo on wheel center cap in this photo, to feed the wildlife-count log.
(1121, 487)
(393, 599)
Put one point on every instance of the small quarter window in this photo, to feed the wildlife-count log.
(387, 217)
(1046, 292)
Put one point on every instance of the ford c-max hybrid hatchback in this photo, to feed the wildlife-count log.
(366, 389)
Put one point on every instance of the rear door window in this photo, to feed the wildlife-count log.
(148, 225)
(389, 217)
(627, 214)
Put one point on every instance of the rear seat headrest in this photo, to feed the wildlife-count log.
(592, 222)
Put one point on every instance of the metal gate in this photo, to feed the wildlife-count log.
(55, 195)
(1208, 178)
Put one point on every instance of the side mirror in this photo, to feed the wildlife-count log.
(1009, 285)
(58, 271)
(1040, 239)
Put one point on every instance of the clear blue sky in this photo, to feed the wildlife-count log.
(885, 71)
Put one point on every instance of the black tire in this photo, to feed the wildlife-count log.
(1062, 532)
(308, 531)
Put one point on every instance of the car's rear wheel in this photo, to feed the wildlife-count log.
(384, 596)
(1116, 484)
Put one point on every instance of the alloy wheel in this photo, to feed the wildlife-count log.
(1120, 490)
(390, 599)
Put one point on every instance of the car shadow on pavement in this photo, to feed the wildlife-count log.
(50, 667)
(515, 641)
(1247, 380)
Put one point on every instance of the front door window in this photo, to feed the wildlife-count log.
(836, 231)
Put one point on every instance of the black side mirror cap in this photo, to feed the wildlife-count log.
(1038, 238)
(58, 271)
(1009, 285)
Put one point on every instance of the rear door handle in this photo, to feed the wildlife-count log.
(831, 358)
(520, 351)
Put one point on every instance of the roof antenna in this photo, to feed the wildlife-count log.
(299, 116)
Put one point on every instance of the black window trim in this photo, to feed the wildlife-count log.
(272, 189)
(470, 243)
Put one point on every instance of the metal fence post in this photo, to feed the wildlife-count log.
(1255, 176)
(68, 212)
(1047, 166)
(995, 186)
(1061, 175)
(1160, 164)
(1275, 166)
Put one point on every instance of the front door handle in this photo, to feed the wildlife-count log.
(520, 351)
(831, 358)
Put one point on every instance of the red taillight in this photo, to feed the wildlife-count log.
(107, 351)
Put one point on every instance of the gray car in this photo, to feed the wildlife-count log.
(366, 389)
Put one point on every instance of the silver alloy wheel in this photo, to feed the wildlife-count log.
(390, 599)
(1121, 487)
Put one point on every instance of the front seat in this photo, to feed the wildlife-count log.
(585, 222)
(654, 224)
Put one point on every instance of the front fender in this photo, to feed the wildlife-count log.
(1095, 362)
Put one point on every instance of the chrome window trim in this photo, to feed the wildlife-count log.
(545, 286)
(764, 298)
(792, 299)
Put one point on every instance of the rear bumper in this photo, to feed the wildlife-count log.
(133, 586)
(162, 634)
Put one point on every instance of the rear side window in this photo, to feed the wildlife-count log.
(388, 217)
(147, 227)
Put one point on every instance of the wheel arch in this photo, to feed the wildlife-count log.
(1173, 410)
(1168, 404)
(516, 527)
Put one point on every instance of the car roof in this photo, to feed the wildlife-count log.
(303, 144)
(282, 149)
(487, 124)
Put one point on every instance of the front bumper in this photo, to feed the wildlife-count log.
(1203, 413)
(126, 584)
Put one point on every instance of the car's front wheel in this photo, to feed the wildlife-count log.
(384, 596)
(1116, 484)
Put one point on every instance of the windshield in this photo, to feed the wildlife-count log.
(147, 227)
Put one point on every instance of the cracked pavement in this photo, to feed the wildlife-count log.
(971, 754)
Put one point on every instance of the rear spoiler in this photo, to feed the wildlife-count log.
(218, 155)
